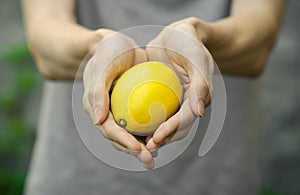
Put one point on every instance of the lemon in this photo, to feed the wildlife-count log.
(145, 96)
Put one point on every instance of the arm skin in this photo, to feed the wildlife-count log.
(242, 42)
(57, 42)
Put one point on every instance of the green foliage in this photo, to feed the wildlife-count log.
(26, 81)
(16, 135)
(13, 135)
(11, 181)
(17, 54)
(271, 191)
(8, 100)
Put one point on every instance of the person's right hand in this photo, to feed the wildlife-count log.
(111, 57)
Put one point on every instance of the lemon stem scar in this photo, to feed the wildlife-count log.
(122, 123)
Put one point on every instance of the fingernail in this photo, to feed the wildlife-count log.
(148, 166)
(201, 108)
(145, 157)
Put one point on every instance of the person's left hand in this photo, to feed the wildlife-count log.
(178, 46)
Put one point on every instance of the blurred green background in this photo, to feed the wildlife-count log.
(20, 90)
(278, 100)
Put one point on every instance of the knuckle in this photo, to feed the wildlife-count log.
(192, 20)
(90, 97)
(46, 72)
(204, 86)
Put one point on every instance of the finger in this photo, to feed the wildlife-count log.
(112, 57)
(156, 52)
(95, 98)
(99, 97)
(117, 134)
(140, 56)
(99, 101)
(153, 146)
(86, 83)
(196, 60)
(183, 118)
(199, 94)
(180, 134)
(87, 106)
(154, 152)
(201, 82)
(144, 156)
(128, 142)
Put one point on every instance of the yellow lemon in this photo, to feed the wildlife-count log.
(145, 96)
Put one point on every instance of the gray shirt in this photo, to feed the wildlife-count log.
(62, 165)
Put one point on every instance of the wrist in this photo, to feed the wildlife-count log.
(240, 44)
(215, 36)
(202, 28)
(226, 39)
(60, 46)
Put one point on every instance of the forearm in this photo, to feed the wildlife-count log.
(46, 20)
(57, 42)
(241, 43)
(38, 10)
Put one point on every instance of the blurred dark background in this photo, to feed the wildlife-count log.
(278, 99)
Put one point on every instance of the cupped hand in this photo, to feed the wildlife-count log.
(179, 47)
(111, 57)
